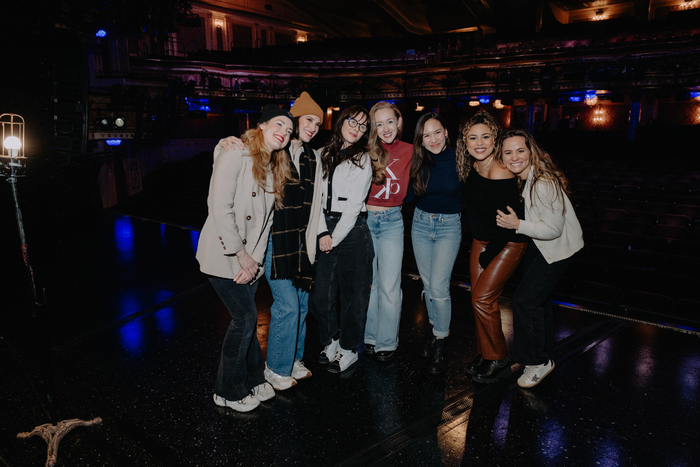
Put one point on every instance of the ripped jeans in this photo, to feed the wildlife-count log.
(436, 239)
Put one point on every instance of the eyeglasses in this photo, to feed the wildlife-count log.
(354, 123)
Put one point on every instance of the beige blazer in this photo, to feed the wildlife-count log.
(240, 215)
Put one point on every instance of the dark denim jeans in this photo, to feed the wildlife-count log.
(533, 325)
(346, 269)
(241, 363)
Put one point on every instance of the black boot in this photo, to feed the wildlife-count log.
(491, 371)
(474, 364)
(427, 350)
(438, 363)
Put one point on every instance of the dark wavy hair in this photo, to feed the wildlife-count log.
(422, 158)
(331, 158)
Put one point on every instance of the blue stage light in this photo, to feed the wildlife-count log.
(101, 33)
(113, 142)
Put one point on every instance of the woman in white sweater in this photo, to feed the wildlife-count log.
(556, 235)
(344, 267)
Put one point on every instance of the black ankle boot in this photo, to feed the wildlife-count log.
(474, 364)
(427, 350)
(438, 363)
(491, 371)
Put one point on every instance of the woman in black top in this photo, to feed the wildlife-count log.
(496, 252)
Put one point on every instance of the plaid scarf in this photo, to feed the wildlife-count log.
(289, 256)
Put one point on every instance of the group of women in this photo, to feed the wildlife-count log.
(336, 241)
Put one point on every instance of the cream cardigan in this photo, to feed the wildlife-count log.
(557, 236)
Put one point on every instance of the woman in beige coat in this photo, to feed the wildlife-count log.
(245, 187)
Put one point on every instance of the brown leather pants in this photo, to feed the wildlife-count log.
(487, 286)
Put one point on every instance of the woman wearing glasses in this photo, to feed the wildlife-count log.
(436, 232)
(345, 246)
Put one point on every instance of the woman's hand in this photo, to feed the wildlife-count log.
(325, 244)
(249, 268)
(507, 221)
(231, 142)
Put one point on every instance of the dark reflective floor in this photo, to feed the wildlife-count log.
(134, 332)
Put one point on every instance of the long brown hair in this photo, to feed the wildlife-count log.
(464, 160)
(331, 158)
(422, 158)
(375, 142)
(265, 162)
(541, 166)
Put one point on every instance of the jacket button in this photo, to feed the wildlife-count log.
(244, 241)
(248, 218)
(224, 248)
(220, 238)
(254, 194)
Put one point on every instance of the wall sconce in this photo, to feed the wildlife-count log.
(598, 116)
(336, 109)
(591, 98)
(473, 103)
(497, 104)
(218, 23)
(419, 108)
(599, 15)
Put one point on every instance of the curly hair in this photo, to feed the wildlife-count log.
(464, 160)
(541, 166)
(265, 162)
(422, 158)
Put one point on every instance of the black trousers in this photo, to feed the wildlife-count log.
(345, 273)
(533, 324)
(241, 363)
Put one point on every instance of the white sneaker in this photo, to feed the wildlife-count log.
(533, 374)
(246, 404)
(328, 353)
(343, 360)
(279, 382)
(299, 371)
(263, 392)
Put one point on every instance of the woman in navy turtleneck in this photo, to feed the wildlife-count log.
(436, 233)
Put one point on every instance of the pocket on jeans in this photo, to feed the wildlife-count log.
(452, 219)
(395, 216)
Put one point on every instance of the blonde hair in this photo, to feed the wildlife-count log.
(380, 156)
(265, 162)
(464, 160)
(541, 166)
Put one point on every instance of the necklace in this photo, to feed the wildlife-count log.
(481, 169)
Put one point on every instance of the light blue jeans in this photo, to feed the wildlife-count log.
(384, 312)
(436, 239)
(285, 342)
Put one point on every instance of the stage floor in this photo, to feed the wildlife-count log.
(131, 333)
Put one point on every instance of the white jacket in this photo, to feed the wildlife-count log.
(557, 236)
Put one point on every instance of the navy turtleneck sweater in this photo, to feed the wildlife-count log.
(443, 193)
